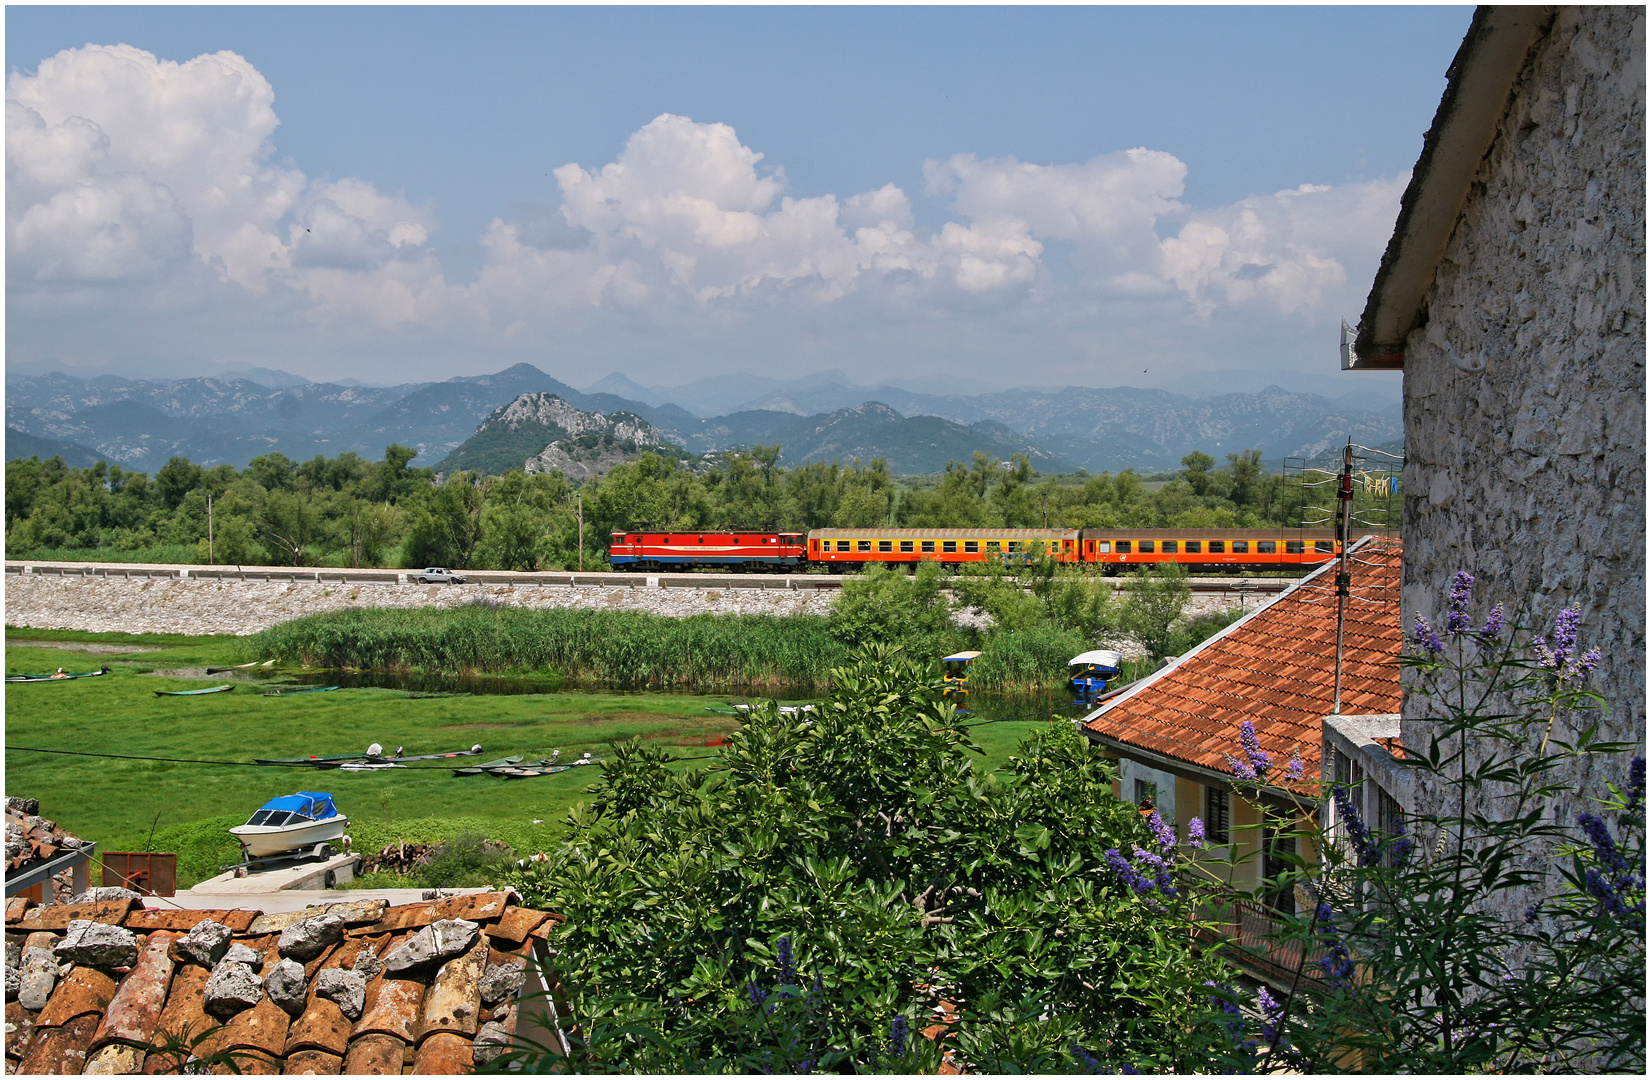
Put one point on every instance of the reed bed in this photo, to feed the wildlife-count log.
(626, 648)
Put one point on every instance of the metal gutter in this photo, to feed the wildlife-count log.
(1480, 84)
(34, 875)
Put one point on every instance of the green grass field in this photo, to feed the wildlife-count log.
(135, 805)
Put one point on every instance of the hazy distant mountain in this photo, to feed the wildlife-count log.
(272, 377)
(21, 445)
(140, 423)
(547, 432)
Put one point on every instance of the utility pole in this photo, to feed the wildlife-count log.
(210, 558)
(1344, 578)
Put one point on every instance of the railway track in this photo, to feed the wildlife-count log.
(591, 579)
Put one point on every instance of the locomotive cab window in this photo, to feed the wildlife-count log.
(928, 545)
(906, 545)
(1147, 546)
(885, 545)
(1123, 547)
(1267, 547)
(865, 545)
(971, 545)
(1194, 547)
(1324, 547)
(1241, 547)
(1295, 547)
(948, 546)
(1169, 547)
(1217, 547)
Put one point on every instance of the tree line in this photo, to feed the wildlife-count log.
(351, 511)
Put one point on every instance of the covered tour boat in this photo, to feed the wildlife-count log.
(1091, 671)
(955, 677)
(291, 823)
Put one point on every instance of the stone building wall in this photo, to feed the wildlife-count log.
(1525, 385)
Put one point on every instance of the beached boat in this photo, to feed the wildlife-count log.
(59, 675)
(288, 692)
(488, 766)
(291, 823)
(191, 693)
(1090, 673)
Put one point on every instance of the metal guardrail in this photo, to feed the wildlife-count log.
(76, 860)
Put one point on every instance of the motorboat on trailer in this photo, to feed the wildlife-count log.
(290, 824)
(1090, 672)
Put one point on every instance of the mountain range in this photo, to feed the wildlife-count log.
(141, 423)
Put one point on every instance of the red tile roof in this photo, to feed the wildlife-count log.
(1276, 669)
(424, 1019)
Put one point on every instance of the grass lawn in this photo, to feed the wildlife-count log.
(188, 806)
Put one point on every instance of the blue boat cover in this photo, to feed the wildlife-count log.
(316, 805)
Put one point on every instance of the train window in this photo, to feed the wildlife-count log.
(1169, 547)
(1194, 547)
(865, 545)
(1147, 546)
(1217, 546)
(1266, 547)
(843, 545)
(907, 545)
(1014, 545)
(702, 539)
(885, 545)
(993, 545)
(1123, 547)
(971, 545)
(664, 539)
(928, 545)
(1241, 547)
(1102, 546)
(1324, 547)
(1295, 547)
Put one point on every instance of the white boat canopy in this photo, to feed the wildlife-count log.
(959, 656)
(1101, 658)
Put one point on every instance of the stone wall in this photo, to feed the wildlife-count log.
(1525, 386)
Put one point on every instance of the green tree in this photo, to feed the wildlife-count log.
(1157, 596)
(1195, 471)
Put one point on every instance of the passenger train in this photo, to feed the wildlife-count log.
(847, 550)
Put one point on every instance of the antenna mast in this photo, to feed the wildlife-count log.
(1344, 577)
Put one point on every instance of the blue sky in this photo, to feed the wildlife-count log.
(986, 196)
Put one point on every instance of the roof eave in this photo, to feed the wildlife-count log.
(1479, 83)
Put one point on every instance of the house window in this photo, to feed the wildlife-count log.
(885, 545)
(1267, 547)
(1390, 823)
(1295, 547)
(928, 545)
(948, 546)
(865, 545)
(971, 546)
(1146, 547)
(1145, 791)
(1241, 547)
(1217, 816)
(1194, 547)
(1123, 547)
(1217, 547)
(1169, 547)
(1324, 547)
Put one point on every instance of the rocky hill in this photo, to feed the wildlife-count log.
(543, 432)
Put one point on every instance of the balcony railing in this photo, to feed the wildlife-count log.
(1251, 931)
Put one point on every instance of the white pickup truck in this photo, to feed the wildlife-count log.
(438, 575)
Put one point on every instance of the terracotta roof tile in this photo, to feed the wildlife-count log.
(60, 1049)
(86, 991)
(58, 916)
(444, 1053)
(15, 907)
(375, 1055)
(125, 1019)
(250, 1063)
(313, 1063)
(1276, 669)
(135, 1012)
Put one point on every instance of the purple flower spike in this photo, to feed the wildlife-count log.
(1195, 833)
(1295, 768)
(1635, 793)
(1461, 595)
(1491, 632)
(1559, 657)
(1426, 638)
(1161, 832)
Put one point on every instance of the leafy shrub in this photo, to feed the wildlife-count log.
(1189, 633)
(467, 859)
(1032, 657)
